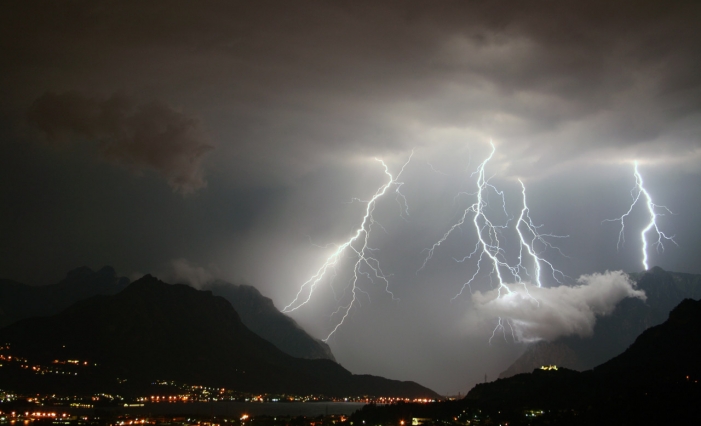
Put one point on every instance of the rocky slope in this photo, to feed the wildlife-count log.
(654, 381)
(157, 331)
(261, 316)
(614, 333)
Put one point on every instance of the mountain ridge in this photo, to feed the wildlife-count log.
(657, 380)
(616, 332)
(19, 301)
(157, 331)
(260, 315)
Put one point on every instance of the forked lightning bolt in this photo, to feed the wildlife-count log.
(639, 192)
(358, 247)
(489, 247)
(535, 237)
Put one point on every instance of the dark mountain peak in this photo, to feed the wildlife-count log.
(656, 270)
(671, 349)
(617, 331)
(243, 292)
(20, 301)
(655, 275)
(544, 353)
(154, 330)
(260, 315)
(78, 273)
(688, 310)
(148, 284)
(107, 271)
(148, 281)
(655, 381)
(152, 290)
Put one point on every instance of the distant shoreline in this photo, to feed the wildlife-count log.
(220, 408)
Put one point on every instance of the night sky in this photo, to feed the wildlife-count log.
(237, 140)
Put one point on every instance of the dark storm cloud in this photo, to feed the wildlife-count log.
(150, 136)
(299, 83)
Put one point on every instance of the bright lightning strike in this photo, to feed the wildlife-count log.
(639, 192)
(358, 247)
(535, 237)
(489, 246)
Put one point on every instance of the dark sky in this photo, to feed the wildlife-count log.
(200, 140)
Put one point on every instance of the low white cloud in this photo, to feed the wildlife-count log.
(185, 272)
(539, 313)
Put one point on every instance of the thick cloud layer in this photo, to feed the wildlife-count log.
(150, 136)
(541, 313)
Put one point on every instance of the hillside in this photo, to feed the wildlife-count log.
(157, 331)
(261, 316)
(19, 301)
(657, 380)
(616, 332)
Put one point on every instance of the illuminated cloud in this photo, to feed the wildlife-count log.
(150, 136)
(186, 272)
(539, 313)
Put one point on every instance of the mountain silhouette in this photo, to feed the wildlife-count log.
(615, 332)
(654, 381)
(157, 331)
(18, 301)
(258, 313)
(261, 316)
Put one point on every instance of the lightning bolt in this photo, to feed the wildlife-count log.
(358, 247)
(535, 237)
(639, 193)
(489, 247)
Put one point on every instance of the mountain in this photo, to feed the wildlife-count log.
(544, 353)
(668, 351)
(655, 381)
(614, 333)
(261, 316)
(18, 301)
(157, 331)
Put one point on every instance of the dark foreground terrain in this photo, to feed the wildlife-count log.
(153, 331)
(655, 381)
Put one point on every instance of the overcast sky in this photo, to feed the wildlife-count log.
(237, 140)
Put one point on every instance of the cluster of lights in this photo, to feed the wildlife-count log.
(37, 415)
(135, 422)
(10, 358)
(394, 400)
(198, 393)
(7, 396)
(73, 362)
(54, 368)
(171, 398)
